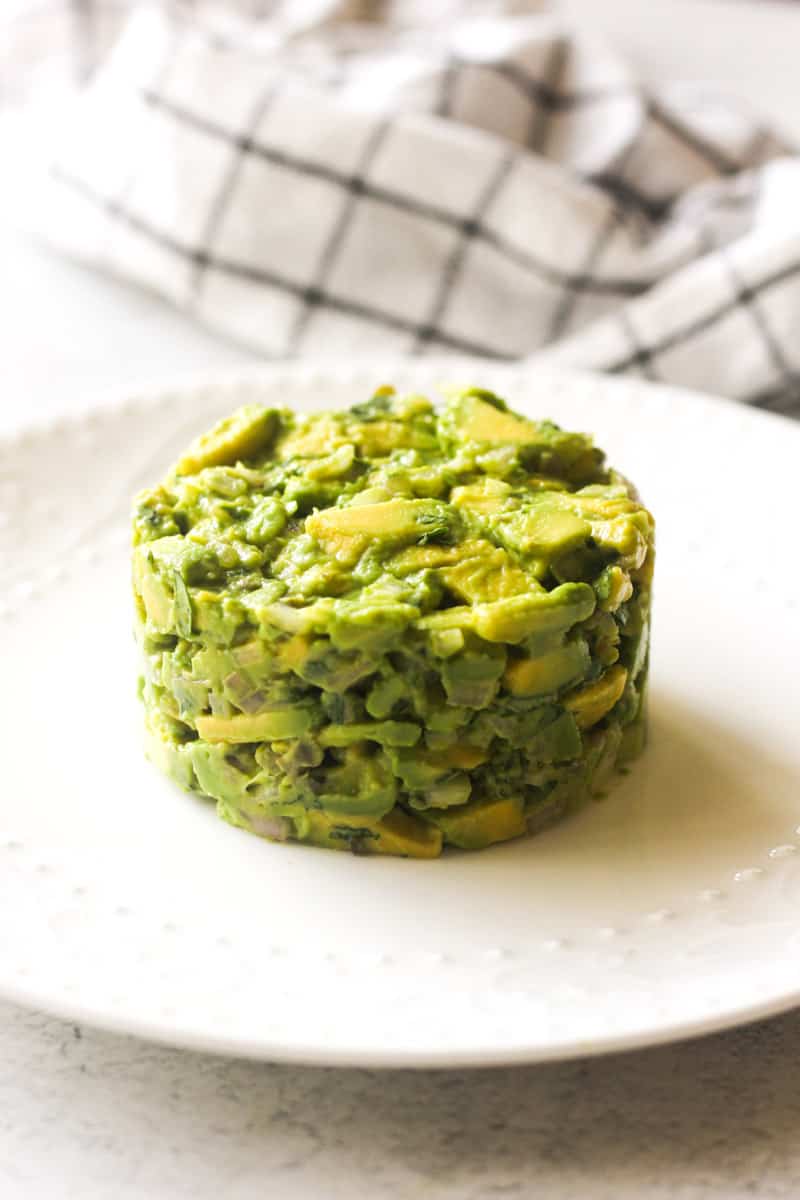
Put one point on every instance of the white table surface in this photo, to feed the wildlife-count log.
(90, 1115)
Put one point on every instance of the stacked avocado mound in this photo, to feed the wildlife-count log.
(396, 627)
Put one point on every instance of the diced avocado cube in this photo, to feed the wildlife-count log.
(518, 617)
(487, 496)
(332, 466)
(559, 741)
(293, 653)
(218, 777)
(217, 616)
(384, 694)
(251, 654)
(548, 673)
(361, 785)
(628, 536)
(385, 733)
(544, 530)
(397, 833)
(446, 642)
(613, 587)
(448, 792)
(269, 726)
(460, 618)
(369, 626)
(244, 434)
(485, 572)
(315, 436)
(476, 420)
(591, 703)
(480, 823)
(166, 752)
(391, 520)
(266, 521)
(148, 585)
(471, 679)
(422, 558)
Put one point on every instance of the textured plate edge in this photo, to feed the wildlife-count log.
(153, 393)
(319, 1055)
(150, 391)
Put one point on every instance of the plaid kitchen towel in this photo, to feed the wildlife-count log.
(324, 177)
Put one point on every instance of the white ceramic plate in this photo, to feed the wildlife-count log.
(671, 908)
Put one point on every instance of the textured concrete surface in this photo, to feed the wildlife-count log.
(89, 1115)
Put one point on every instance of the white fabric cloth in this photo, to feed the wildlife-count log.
(469, 178)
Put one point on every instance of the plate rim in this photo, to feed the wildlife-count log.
(157, 392)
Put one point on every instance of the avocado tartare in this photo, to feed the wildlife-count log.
(395, 627)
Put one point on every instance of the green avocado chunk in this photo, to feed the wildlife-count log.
(393, 628)
(244, 434)
(480, 823)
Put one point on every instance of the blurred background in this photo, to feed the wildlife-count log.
(653, 147)
(48, 47)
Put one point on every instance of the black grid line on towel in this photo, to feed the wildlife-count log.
(566, 307)
(451, 69)
(605, 232)
(778, 400)
(544, 96)
(539, 90)
(641, 357)
(327, 259)
(547, 271)
(657, 208)
(648, 354)
(543, 92)
(237, 270)
(628, 196)
(227, 188)
(712, 155)
(747, 299)
(542, 112)
(451, 270)
(547, 98)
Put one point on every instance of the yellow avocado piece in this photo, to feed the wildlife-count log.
(391, 519)
(155, 597)
(315, 438)
(397, 833)
(421, 558)
(475, 570)
(482, 422)
(485, 573)
(590, 704)
(376, 439)
(480, 823)
(629, 535)
(256, 727)
(487, 496)
(544, 530)
(243, 434)
(549, 672)
(248, 653)
(293, 653)
(516, 618)
(162, 749)
(463, 757)
(620, 589)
